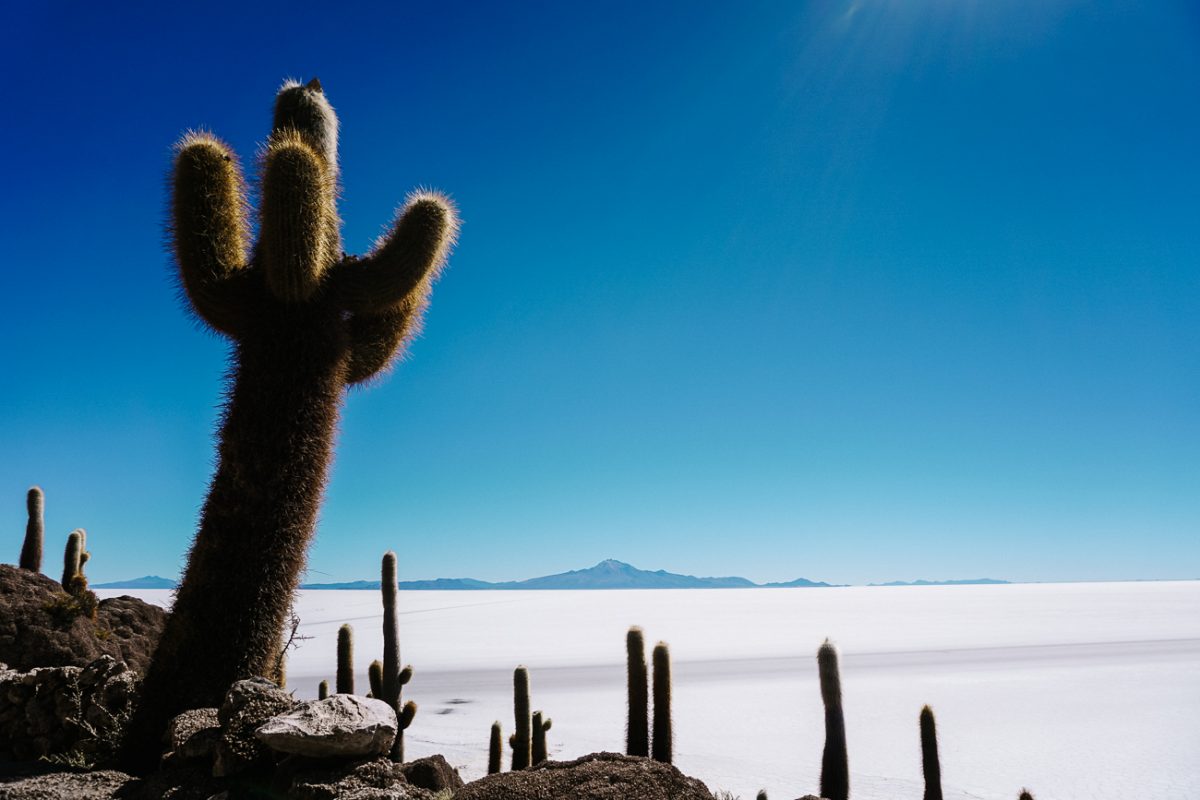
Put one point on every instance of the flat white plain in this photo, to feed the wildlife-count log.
(1087, 690)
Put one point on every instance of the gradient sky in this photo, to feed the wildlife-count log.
(854, 291)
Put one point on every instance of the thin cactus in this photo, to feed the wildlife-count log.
(540, 726)
(835, 769)
(637, 731)
(522, 740)
(495, 746)
(375, 678)
(762, 795)
(393, 678)
(1025, 795)
(322, 690)
(307, 322)
(930, 766)
(662, 746)
(345, 660)
(403, 720)
(35, 528)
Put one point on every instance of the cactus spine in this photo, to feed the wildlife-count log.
(345, 660)
(322, 690)
(662, 747)
(393, 678)
(375, 678)
(539, 737)
(31, 548)
(495, 745)
(930, 765)
(521, 741)
(306, 322)
(637, 732)
(835, 769)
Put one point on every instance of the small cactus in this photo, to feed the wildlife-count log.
(637, 732)
(662, 746)
(1025, 795)
(521, 741)
(72, 560)
(375, 678)
(930, 766)
(835, 769)
(403, 720)
(762, 795)
(540, 727)
(31, 548)
(495, 745)
(322, 690)
(345, 660)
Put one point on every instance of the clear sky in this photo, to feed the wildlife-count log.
(848, 290)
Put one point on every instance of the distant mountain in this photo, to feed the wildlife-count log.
(144, 582)
(609, 574)
(964, 582)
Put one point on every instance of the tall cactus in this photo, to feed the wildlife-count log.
(637, 731)
(930, 766)
(662, 747)
(345, 660)
(521, 741)
(495, 746)
(306, 322)
(540, 726)
(31, 548)
(393, 678)
(835, 769)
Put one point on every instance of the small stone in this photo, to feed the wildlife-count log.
(344, 725)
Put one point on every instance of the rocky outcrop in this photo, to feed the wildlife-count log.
(64, 785)
(65, 711)
(342, 726)
(433, 773)
(248, 705)
(38, 629)
(600, 776)
(379, 779)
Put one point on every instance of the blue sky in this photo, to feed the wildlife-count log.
(854, 291)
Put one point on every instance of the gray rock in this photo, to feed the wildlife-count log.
(248, 704)
(102, 785)
(194, 735)
(343, 726)
(379, 779)
(433, 773)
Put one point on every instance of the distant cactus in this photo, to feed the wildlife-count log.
(1025, 795)
(375, 678)
(31, 548)
(345, 660)
(835, 769)
(762, 795)
(637, 731)
(307, 322)
(662, 747)
(322, 690)
(393, 678)
(540, 727)
(930, 766)
(495, 745)
(521, 741)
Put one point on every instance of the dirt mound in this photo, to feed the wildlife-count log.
(35, 631)
(599, 776)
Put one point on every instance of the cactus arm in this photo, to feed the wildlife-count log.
(377, 339)
(298, 216)
(209, 232)
(412, 252)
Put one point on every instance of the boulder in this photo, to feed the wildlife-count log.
(342, 726)
(248, 704)
(34, 632)
(378, 779)
(599, 776)
(433, 773)
(193, 735)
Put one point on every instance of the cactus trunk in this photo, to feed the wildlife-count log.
(930, 766)
(31, 548)
(637, 732)
(522, 739)
(835, 769)
(662, 748)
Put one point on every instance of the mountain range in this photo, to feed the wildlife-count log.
(608, 574)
